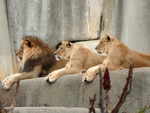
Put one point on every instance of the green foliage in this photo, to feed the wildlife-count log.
(143, 110)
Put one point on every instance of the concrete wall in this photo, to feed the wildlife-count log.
(54, 20)
(130, 23)
(6, 66)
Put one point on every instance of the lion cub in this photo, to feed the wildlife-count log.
(118, 56)
(79, 59)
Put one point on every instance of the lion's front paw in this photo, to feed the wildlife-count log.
(5, 80)
(47, 77)
(6, 86)
(89, 75)
(87, 78)
(51, 78)
(5, 83)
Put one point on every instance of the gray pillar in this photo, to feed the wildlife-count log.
(131, 23)
(6, 66)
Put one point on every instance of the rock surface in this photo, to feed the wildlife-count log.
(70, 91)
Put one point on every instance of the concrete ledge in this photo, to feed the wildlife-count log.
(70, 91)
(51, 110)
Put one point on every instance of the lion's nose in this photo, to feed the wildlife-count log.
(96, 47)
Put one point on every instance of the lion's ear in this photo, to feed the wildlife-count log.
(108, 38)
(28, 43)
(68, 44)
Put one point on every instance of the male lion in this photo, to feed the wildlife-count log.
(37, 60)
(78, 59)
(119, 56)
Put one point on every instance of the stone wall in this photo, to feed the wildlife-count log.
(54, 20)
(6, 66)
(130, 23)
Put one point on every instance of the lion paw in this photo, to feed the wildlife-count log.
(6, 82)
(84, 79)
(50, 79)
(89, 75)
(6, 86)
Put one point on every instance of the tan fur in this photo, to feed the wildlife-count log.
(119, 56)
(79, 59)
(37, 60)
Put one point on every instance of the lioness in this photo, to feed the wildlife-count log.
(37, 60)
(79, 59)
(119, 56)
